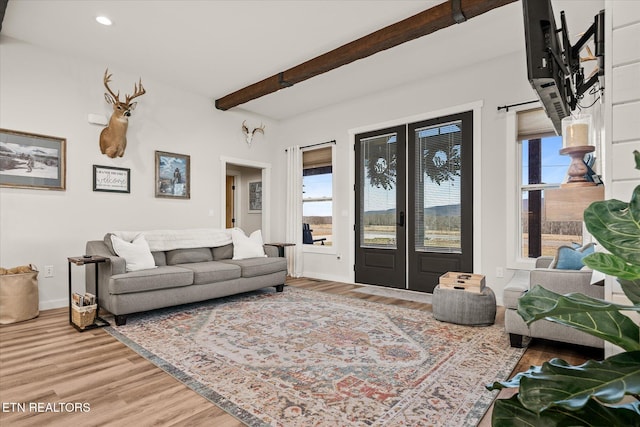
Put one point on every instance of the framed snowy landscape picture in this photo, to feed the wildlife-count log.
(29, 160)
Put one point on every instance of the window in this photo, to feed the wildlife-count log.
(317, 196)
(542, 169)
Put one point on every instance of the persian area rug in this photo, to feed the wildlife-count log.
(395, 293)
(306, 358)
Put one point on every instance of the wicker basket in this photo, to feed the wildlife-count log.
(83, 316)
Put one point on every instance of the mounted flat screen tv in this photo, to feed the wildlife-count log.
(553, 65)
(545, 60)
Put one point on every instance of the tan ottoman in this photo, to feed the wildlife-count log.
(463, 307)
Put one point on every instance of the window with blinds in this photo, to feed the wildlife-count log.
(543, 169)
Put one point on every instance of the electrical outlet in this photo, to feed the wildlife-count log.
(499, 272)
(48, 271)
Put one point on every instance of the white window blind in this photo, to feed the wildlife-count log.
(533, 124)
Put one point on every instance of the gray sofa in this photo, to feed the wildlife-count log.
(559, 281)
(182, 275)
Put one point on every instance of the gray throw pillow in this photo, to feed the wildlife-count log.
(160, 258)
(184, 256)
(222, 252)
(109, 243)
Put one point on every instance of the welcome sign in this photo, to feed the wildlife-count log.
(106, 178)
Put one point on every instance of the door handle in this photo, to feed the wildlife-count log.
(401, 220)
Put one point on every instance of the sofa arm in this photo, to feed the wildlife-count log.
(566, 281)
(115, 265)
(271, 251)
(544, 261)
(517, 286)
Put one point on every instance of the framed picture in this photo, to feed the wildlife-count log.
(114, 180)
(28, 160)
(173, 175)
(255, 197)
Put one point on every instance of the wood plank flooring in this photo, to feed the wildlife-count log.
(45, 360)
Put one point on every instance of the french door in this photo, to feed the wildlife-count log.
(380, 207)
(414, 202)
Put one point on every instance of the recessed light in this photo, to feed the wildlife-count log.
(103, 20)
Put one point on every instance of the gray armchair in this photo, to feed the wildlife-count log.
(559, 281)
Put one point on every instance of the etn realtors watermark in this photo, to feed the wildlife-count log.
(44, 407)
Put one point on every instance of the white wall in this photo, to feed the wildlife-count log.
(45, 93)
(622, 116)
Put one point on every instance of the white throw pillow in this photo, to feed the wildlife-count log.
(247, 247)
(136, 254)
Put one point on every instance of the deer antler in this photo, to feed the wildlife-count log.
(249, 134)
(107, 79)
(138, 90)
(260, 129)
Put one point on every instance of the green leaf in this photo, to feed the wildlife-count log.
(513, 382)
(612, 265)
(616, 226)
(559, 384)
(631, 289)
(591, 315)
(511, 413)
(636, 154)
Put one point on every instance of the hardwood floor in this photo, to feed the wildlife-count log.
(45, 360)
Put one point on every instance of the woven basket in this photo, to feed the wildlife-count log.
(83, 316)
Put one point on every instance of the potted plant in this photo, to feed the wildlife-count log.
(596, 393)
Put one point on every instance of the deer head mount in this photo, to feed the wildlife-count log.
(113, 138)
(249, 135)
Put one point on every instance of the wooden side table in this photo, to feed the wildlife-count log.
(280, 247)
(81, 260)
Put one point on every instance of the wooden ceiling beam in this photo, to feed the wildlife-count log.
(421, 24)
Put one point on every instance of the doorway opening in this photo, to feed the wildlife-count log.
(245, 195)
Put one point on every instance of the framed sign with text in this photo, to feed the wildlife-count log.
(110, 179)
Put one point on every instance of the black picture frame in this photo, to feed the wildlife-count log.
(111, 179)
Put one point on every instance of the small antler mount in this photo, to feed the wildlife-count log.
(249, 134)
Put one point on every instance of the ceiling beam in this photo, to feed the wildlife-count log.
(429, 21)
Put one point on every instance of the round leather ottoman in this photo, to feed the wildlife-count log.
(463, 307)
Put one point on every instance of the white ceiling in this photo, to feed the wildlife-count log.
(214, 48)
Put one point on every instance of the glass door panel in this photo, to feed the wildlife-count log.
(378, 227)
(438, 170)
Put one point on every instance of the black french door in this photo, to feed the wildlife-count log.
(414, 203)
(380, 207)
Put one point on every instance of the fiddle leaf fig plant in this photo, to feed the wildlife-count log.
(591, 394)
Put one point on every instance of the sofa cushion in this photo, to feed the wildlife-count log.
(222, 252)
(147, 280)
(160, 258)
(212, 272)
(183, 256)
(107, 241)
(136, 253)
(253, 267)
